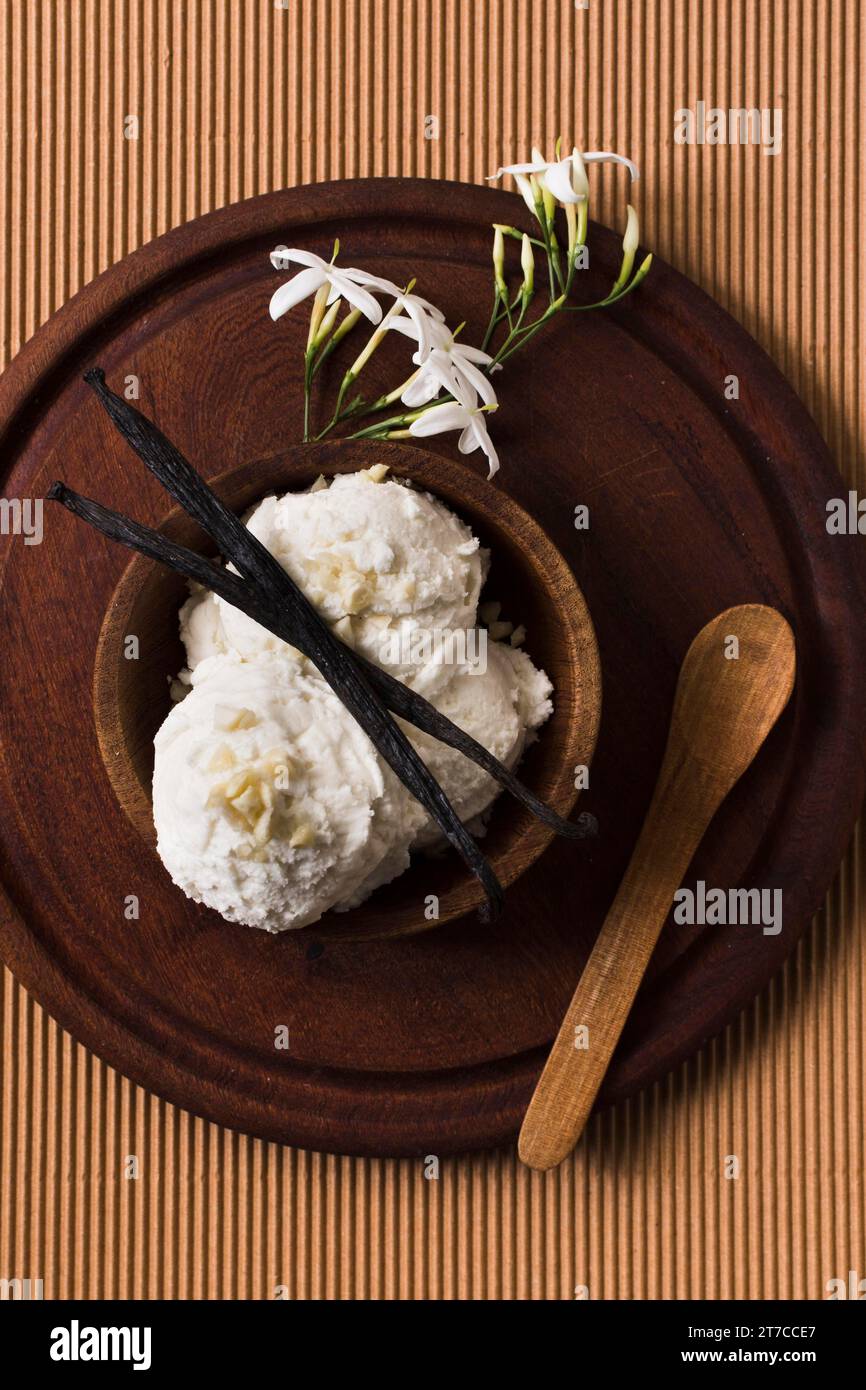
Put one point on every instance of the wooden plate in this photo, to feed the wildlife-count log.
(429, 1044)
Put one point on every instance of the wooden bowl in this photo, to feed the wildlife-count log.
(528, 576)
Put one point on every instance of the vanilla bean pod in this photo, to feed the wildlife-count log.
(333, 660)
(249, 599)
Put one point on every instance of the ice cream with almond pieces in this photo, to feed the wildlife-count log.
(271, 804)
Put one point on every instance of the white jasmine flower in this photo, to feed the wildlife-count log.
(528, 188)
(609, 157)
(564, 178)
(559, 180)
(345, 283)
(440, 337)
(419, 311)
(451, 370)
(446, 365)
(452, 415)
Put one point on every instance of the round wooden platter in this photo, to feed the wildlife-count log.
(429, 1044)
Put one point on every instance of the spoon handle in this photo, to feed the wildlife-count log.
(682, 806)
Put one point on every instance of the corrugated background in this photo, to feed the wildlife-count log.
(235, 97)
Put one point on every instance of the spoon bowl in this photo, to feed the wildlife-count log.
(737, 675)
(735, 681)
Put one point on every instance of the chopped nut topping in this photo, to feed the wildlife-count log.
(376, 474)
(344, 630)
(237, 784)
(228, 719)
(251, 795)
(302, 836)
(223, 759)
(262, 827)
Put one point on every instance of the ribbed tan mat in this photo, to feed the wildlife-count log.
(235, 97)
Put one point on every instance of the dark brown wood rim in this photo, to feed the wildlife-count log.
(694, 334)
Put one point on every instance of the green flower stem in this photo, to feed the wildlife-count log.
(358, 407)
(322, 358)
(494, 319)
(309, 357)
(337, 416)
(518, 236)
(340, 414)
(551, 248)
(498, 318)
(516, 340)
(395, 422)
(639, 276)
(525, 301)
(557, 263)
(579, 242)
(379, 429)
(549, 253)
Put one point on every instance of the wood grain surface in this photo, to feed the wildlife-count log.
(238, 98)
(429, 1044)
(735, 681)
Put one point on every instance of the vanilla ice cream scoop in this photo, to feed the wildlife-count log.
(385, 565)
(500, 705)
(270, 802)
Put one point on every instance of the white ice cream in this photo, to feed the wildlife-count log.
(380, 562)
(271, 804)
(500, 708)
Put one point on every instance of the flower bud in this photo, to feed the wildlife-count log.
(346, 326)
(527, 265)
(366, 352)
(632, 233)
(317, 312)
(629, 246)
(499, 261)
(327, 323)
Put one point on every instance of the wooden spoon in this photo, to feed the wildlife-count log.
(729, 696)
